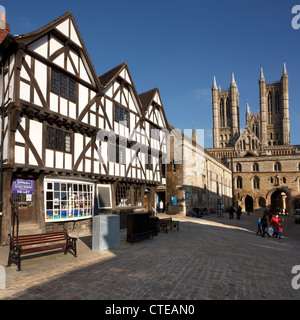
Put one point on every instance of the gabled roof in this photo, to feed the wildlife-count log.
(30, 37)
(147, 98)
(46, 28)
(111, 75)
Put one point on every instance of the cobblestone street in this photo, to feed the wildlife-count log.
(209, 258)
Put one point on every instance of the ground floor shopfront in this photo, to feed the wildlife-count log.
(52, 202)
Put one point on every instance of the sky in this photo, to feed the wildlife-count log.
(178, 47)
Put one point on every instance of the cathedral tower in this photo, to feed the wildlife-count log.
(274, 111)
(225, 115)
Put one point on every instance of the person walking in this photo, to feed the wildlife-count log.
(264, 225)
(259, 227)
(248, 210)
(270, 214)
(280, 229)
(161, 206)
(274, 223)
(238, 212)
(231, 211)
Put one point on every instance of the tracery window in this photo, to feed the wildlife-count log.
(277, 166)
(256, 183)
(239, 183)
(222, 115)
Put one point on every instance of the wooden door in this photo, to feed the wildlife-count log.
(24, 203)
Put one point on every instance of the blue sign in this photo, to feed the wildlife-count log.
(174, 201)
(23, 186)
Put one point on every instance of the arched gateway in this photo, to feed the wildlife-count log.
(279, 200)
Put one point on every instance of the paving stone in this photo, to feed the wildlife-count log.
(209, 258)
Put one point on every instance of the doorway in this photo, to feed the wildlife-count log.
(249, 203)
(161, 196)
(24, 203)
(279, 201)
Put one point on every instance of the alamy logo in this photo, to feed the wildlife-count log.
(2, 278)
(296, 19)
(296, 278)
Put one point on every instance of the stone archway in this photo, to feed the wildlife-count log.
(249, 203)
(262, 202)
(279, 201)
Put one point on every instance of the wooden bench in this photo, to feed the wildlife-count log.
(168, 222)
(38, 243)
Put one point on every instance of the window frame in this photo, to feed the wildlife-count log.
(57, 139)
(63, 86)
(119, 115)
(277, 166)
(63, 204)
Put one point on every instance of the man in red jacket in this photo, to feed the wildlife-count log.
(274, 223)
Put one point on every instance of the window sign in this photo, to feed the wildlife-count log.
(174, 201)
(68, 200)
(104, 196)
(23, 186)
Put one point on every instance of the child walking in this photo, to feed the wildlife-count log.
(280, 229)
(259, 231)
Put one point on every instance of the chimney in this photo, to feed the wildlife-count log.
(4, 32)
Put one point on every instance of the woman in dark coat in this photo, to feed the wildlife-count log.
(264, 225)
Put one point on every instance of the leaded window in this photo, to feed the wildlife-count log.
(59, 140)
(63, 86)
(121, 116)
(154, 132)
(123, 196)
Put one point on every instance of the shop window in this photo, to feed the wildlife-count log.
(59, 140)
(137, 194)
(123, 196)
(68, 200)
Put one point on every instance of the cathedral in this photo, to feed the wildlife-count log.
(265, 166)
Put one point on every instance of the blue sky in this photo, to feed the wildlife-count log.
(178, 46)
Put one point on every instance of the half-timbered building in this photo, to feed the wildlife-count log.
(74, 144)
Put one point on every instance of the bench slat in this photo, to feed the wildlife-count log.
(39, 238)
(45, 248)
